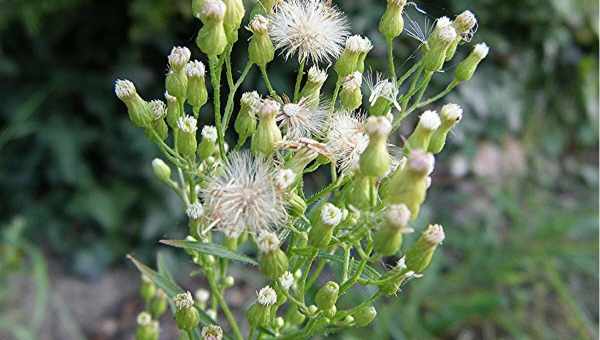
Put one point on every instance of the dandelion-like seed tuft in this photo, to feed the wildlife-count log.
(347, 139)
(194, 211)
(301, 120)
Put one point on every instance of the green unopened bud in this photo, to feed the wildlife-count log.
(351, 95)
(260, 49)
(312, 88)
(408, 184)
(202, 295)
(327, 295)
(228, 281)
(301, 159)
(212, 332)
(186, 141)
(429, 122)
(278, 323)
(273, 261)
(364, 316)
(208, 144)
(212, 39)
(465, 25)
(147, 289)
(264, 7)
(451, 115)
(388, 239)
(293, 315)
(348, 60)
(296, 205)
(467, 67)
(328, 218)
(358, 192)
(159, 304)
(391, 24)
(233, 18)
(197, 94)
(187, 316)
(197, 8)
(137, 108)
(330, 313)
(375, 160)
(173, 110)
(259, 314)
(382, 97)
(438, 44)
(158, 111)
(176, 81)
(161, 170)
(267, 134)
(147, 329)
(245, 123)
(419, 255)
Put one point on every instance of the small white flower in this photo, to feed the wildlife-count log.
(301, 120)
(378, 126)
(212, 314)
(430, 120)
(202, 295)
(252, 100)
(398, 215)
(267, 296)
(158, 109)
(353, 81)
(317, 75)
(268, 108)
(284, 178)
(466, 25)
(365, 45)
(170, 99)
(212, 332)
(209, 133)
(194, 211)
(259, 25)
(382, 88)
(187, 124)
(434, 234)
(314, 30)
(481, 50)
(421, 161)
(267, 242)
(179, 57)
(124, 89)
(444, 30)
(286, 280)
(144, 319)
(213, 9)
(183, 301)
(347, 139)
(195, 69)
(331, 215)
(354, 43)
(451, 112)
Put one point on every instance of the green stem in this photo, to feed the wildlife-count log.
(228, 69)
(421, 91)
(263, 70)
(408, 73)
(390, 55)
(223, 304)
(232, 92)
(189, 334)
(336, 92)
(346, 263)
(215, 78)
(440, 95)
(299, 80)
(412, 88)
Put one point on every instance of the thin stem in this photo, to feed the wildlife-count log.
(263, 70)
(346, 263)
(228, 69)
(440, 95)
(189, 334)
(299, 80)
(232, 92)
(336, 92)
(390, 55)
(412, 88)
(408, 73)
(421, 91)
(215, 78)
(223, 304)
(251, 332)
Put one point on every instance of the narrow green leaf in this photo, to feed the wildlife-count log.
(210, 249)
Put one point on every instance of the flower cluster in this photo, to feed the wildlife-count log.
(250, 190)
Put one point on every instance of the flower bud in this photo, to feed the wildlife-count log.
(197, 94)
(186, 141)
(381, 99)
(467, 67)
(176, 81)
(365, 47)
(464, 24)
(312, 310)
(429, 122)
(358, 192)
(312, 88)
(137, 108)
(330, 313)
(451, 115)
(202, 296)
(273, 261)
(327, 295)
(212, 39)
(208, 144)
(260, 49)
(350, 94)
(147, 329)
(293, 315)
(347, 62)
(301, 159)
(438, 43)
(388, 239)
(245, 123)
(159, 304)
(212, 332)
(228, 281)
(375, 160)
(267, 134)
(187, 316)
(161, 170)
(391, 24)
(278, 323)
(419, 255)
(264, 7)
(285, 179)
(296, 205)
(233, 18)
(147, 289)
(173, 110)
(364, 316)
(158, 111)
(259, 314)
(321, 232)
(286, 280)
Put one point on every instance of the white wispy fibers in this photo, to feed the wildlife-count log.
(244, 197)
(301, 120)
(347, 139)
(313, 30)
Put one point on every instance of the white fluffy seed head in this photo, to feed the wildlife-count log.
(209, 133)
(212, 332)
(259, 25)
(353, 81)
(194, 211)
(268, 242)
(313, 30)
(187, 124)
(158, 109)
(421, 162)
(183, 301)
(398, 215)
(202, 295)
(481, 50)
(451, 113)
(244, 197)
(378, 126)
(430, 120)
(195, 69)
(267, 296)
(317, 75)
(347, 139)
(179, 57)
(284, 178)
(465, 22)
(124, 89)
(268, 109)
(301, 120)
(434, 234)
(331, 215)
(213, 9)
(144, 319)
(286, 280)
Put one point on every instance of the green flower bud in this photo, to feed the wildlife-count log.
(321, 232)
(212, 332)
(264, 7)
(330, 313)
(429, 122)
(408, 184)
(364, 316)
(233, 18)
(187, 316)
(137, 108)
(159, 304)
(260, 49)
(358, 192)
(147, 329)
(464, 24)
(245, 123)
(278, 323)
(347, 62)
(259, 314)
(350, 94)
(202, 295)
(293, 315)
(300, 160)
(419, 255)
(228, 281)
(391, 24)
(158, 110)
(296, 205)
(176, 81)
(186, 141)
(197, 94)
(301, 240)
(173, 110)
(466, 69)
(388, 239)
(451, 115)
(327, 295)
(438, 44)
(273, 261)
(208, 144)
(382, 97)
(267, 134)
(147, 289)
(375, 160)
(312, 88)
(212, 39)
(161, 170)
(197, 8)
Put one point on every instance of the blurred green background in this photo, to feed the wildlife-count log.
(517, 189)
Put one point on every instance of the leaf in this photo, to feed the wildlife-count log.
(210, 249)
(369, 273)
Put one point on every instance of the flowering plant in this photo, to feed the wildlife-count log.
(257, 196)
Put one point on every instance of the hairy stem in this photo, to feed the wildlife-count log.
(215, 78)
(299, 78)
(230, 99)
(390, 56)
(263, 70)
